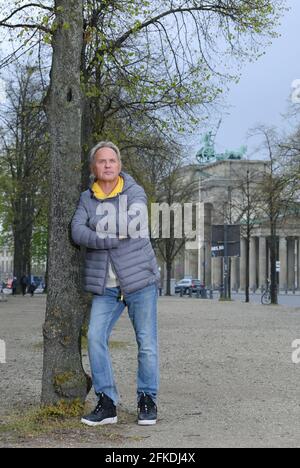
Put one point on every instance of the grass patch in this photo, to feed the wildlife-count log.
(36, 423)
(60, 423)
(38, 346)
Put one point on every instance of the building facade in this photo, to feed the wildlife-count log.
(215, 193)
(6, 263)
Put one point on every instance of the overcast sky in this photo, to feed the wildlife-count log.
(264, 90)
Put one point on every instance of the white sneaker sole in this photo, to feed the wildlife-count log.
(147, 423)
(101, 423)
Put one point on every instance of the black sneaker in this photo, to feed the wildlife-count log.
(104, 413)
(147, 411)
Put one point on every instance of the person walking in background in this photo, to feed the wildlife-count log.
(14, 286)
(2, 297)
(121, 270)
(31, 289)
(24, 282)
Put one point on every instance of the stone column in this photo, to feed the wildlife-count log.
(262, 261)
(235, 273)
(193, 264)
(291, 264)
(253, 266)
(187, 266)
(201, 262)
(243, 265)
(283, 264)
(217, 272)
(179, 265)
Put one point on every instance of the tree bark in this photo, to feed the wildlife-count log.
(22, 233)
(63, 374)
(273, 258)
(169, 262)
(247, 296)
(87, 141)
(169, 271)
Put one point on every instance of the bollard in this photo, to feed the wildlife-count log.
(191, 292)
(181, 292)
(203, 293)
(198, 293)
(211, 294)
(160, 291)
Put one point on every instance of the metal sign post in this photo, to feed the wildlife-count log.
(225, 272)
(226, 243)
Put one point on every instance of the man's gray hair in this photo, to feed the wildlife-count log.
(104, 144)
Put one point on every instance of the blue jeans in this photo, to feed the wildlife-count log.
(142, 311)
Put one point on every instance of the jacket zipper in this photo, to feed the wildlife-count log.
(109, 258)
(121, 292)
(122, 295)
(106, 274)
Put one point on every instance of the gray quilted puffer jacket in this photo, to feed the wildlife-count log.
(133, 259)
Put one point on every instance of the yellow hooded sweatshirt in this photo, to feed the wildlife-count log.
(98, 192)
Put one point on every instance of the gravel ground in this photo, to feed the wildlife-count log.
(227, 376)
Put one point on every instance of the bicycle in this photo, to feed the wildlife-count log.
(266, 295)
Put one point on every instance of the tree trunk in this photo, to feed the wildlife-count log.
(22, 233)
(169, 271)
(273, 258)
(247, 298)
(63, 374)
(169, 262)
(87, 141)
(46, 275)
(229, 277)
(28, 212)
(18, 257)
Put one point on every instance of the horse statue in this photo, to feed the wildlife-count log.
(207, 153)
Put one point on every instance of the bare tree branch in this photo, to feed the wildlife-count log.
(28, 5)
(25, 25)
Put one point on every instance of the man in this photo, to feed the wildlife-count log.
(14, 285)
(31, 289)
(121, 270)
(24, 283)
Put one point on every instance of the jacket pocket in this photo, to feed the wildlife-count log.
(150, 263)
(148, 251)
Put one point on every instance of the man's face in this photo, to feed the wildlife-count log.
(107, 166)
